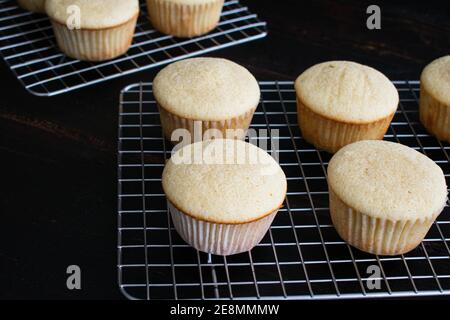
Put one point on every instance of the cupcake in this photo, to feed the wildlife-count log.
(435, 98)
(205, 96)
(384, 196)
(223, 194)
(340, 102)
(184, 18)
(37, 6)
(93, 30)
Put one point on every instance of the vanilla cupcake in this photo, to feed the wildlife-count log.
(184, 18)
(37, 6)
(340, 102)
(223, 194)
(205, 96)
(435, 98)
(384, 196)
(93, 30)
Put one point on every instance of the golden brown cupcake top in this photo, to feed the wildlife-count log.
(94, 14)
(436, 79)
(224, 181)
(347, 91)
(208, 89)
(387, 180)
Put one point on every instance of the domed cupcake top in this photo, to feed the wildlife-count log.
(94, 14)
(224, 181)
(388, 180)
(436, 79)
(347, 91)
(206, 89)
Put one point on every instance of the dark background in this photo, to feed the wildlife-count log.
(58, 155)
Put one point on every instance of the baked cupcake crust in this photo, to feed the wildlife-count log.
(241, 190)
(347, 91)
(106, 27)
(387, 180)
(340, 102)
(94, 14)
(206, 89)
(435, 98)
(384, 196)
(435, 79)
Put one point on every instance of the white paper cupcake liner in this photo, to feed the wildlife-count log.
(218, 238)
(233, 128)
(184, 20)
(377, 235)
(95, 45)
(434, 115)
(331, 135)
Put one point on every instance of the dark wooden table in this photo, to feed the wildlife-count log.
(58, 155)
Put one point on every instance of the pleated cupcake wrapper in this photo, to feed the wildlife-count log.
(377, 235)
(237, 127)
(33, 5)
(434, 115)
(331, 135)
(95, 45)
(184, 20)
(218, 238)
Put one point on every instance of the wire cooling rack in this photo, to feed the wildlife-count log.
(28, 47)
(301, 257)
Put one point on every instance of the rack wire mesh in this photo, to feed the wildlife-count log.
(301, 256)
(28, 47)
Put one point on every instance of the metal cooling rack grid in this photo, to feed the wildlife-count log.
(301, 257)
(28, 47)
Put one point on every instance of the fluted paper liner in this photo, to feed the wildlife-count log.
(434, 115)
(95, 45)
(331, 135)
(377, 235)
(184, 20)
(236, 126)
(219, 238)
